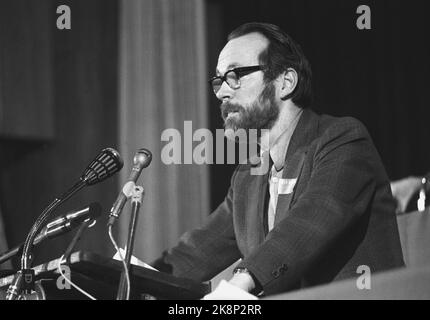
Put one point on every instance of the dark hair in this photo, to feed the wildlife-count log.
(281, 53)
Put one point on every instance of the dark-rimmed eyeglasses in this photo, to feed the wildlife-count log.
(232, 77)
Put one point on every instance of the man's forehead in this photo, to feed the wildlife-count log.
(241, 51)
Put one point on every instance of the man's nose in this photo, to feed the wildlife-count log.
(225, 92)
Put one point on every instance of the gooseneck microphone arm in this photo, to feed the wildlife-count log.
(107, 163)
(28, 244)
(24, 278)
(57, 227)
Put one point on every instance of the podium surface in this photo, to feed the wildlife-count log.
(100, 276)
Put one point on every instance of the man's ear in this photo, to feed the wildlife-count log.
(289, 82)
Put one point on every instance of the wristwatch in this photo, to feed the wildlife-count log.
(241, 270)
(258, 288)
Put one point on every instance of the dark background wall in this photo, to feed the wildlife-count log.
(380, 76)
(73, 74)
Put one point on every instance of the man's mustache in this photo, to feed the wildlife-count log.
(227, 107)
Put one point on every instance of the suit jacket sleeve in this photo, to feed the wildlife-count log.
(203, 253)
(340, 188)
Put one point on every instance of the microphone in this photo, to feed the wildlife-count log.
(141, 160)
(69, 221)
(106, 163)
(59, 226)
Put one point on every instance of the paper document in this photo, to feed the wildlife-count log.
(133, 260)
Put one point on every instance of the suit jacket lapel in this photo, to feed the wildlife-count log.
(303, 134)
(256, 186)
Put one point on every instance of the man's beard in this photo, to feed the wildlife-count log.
(261, 114)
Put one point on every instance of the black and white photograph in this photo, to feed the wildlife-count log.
(214, 154)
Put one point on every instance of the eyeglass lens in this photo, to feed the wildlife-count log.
(231, 79)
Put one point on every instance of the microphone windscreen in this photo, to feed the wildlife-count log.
(107, 163)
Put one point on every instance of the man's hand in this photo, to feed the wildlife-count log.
(243, 280)
(403, 190)
(228, 291)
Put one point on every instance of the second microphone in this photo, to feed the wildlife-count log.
(141, 160)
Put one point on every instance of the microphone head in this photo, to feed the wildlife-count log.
(142, 158)
(107, 163)
(92, 211)
(95, 210)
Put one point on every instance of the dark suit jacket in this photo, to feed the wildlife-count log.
(340, 215)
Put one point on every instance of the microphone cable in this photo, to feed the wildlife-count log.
(66, 255)
(127, 274)
(70, 281)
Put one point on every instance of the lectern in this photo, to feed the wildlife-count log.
(99, 276)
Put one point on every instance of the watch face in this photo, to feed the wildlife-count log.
(240, 270)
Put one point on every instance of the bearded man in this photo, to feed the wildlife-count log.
(323, 208)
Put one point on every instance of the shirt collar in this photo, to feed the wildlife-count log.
(278, 149)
